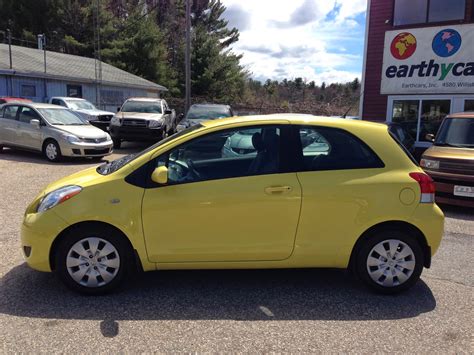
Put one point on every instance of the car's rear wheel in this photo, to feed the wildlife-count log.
(51, 151)
(390, 261)
(93, 260)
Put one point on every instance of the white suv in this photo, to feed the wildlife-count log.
(87, 110)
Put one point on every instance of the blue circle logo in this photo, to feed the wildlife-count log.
(447, 43)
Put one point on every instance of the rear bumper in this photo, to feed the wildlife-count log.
(445, 183)
(128, 133)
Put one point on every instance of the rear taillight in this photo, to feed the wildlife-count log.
(427, 187)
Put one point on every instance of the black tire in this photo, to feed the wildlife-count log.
(117, 143)
(104, 233)
(52, 158)
(361, 267)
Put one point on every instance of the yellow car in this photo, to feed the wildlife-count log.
(310, 192)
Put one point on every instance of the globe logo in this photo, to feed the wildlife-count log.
(447, 42)
(403, 46)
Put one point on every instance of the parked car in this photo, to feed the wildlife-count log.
(402, 134)
(142, 119)
(53, 130)
(450, 161)
(86, 110)
(198, 113)
(365, 206)
(7, 99)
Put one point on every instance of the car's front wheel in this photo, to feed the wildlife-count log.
(390, 261)
(52, 151)
(93, 260)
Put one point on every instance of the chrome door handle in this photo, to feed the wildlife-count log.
(277, 189)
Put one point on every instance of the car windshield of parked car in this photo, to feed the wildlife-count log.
(208, 112)
(61, 117)
(142, 107)
(80, 105)
(456, 132)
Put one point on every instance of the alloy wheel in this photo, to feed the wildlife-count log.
(51, 151)
(391, 263)
(93, 262)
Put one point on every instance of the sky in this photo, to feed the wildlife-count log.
(320, 40)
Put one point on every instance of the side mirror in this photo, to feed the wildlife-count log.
(160, 175)
(36, 123)
(168, 112)
(118, 109)
(430, 137)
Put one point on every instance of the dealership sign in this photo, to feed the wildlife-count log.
(429, 61)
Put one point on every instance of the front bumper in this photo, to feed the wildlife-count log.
(130, 133)
(86, 149)
(445, 183)
(38, 232)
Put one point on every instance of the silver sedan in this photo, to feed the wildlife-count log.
(53, 130)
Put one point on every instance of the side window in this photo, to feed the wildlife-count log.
(27, 114)
(335, 149)
(9, 112)
(57, 102)
(227, 154)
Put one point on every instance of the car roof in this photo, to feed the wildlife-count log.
(68, 98)
(35, 105)
(462, 115)
(148, 99)
(293, 118)
(210, 105)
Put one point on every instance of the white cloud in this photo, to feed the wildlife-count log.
(318, 40)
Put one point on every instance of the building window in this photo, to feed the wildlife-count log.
(469, 106)
(408, 12)
(74, 91)
(28, 90)
(405, 112)
(432, 114)
(442, 10)
(420, 123)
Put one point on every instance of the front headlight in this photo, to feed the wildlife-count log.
(73, 139)
(155, 123)
(429, 164)
(58, 196)
(109, 138)
(115, 121)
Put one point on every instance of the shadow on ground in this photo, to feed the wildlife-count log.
(243, 295)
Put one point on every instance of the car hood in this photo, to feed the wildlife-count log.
(95, 112)
(140, 115)
(450, 153)
(83, 131)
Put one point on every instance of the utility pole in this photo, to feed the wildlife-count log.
(188, 56)
(99, 56)
(9, 35)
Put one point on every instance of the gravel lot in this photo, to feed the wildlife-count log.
(257, 311)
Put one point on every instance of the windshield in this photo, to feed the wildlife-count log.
(61, 116)
(456, 132)
(80, 105)
(113, 166)
(142, 106)
(208, 112)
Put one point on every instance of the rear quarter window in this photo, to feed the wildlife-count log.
(326, 148)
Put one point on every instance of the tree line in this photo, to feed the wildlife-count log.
(147, 38)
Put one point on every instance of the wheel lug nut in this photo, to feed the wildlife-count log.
(95, 267)
(87, 264)
(90, 256)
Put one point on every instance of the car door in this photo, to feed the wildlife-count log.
(220, 209)
(28, 135)
(8, 124)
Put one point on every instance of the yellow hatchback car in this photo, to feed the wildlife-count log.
(276, 191)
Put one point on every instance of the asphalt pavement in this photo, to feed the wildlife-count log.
(238, 311)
